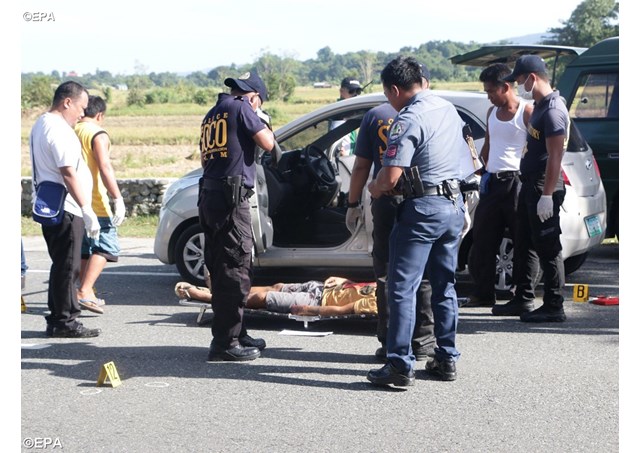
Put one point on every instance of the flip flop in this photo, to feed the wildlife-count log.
(91, 305)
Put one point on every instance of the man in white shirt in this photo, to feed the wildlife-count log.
(55, 151)
(505, 138)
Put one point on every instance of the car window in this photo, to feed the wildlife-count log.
(318, 130)
(577, 143)
(477, 131)
(596, 96)
(305, 136)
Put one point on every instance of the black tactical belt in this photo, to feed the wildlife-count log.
(438, 190)
(218, 184)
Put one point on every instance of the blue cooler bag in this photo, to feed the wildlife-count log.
(48, 207)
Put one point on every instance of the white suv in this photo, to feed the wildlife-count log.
(299, 206)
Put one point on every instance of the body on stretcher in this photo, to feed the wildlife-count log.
(204, 306)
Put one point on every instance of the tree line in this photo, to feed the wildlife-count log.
(591, 21)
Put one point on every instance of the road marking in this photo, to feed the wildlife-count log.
(163, 274)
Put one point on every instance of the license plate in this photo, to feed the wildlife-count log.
(593, 225)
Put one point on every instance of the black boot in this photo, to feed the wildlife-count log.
(515, 307)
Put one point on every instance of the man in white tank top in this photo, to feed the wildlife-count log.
(505, 138)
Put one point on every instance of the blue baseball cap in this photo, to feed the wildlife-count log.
(527, 64)
(249, 81)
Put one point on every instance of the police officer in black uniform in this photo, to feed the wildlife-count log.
(229, 133)
(542, 193)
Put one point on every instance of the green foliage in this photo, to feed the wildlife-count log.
(108, 94)
(205, 96)
(277, 75)
(135, 97)
(591, 22)
(38, 92)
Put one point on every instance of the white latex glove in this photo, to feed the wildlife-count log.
(91, 224)
(354, 217)
(120, 211)
(467, 223)
(545, 207)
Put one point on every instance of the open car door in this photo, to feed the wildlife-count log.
(261, 223)
(509, 53)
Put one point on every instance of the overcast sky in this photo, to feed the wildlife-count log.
(190, 35)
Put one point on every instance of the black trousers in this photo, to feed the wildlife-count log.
(227, 255)
(538, 242)
(496, 211)
(384, 211)
(64, 244)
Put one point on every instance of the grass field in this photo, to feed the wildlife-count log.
(161, 140)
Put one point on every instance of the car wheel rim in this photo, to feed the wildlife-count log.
(193, 256)
(504, 265)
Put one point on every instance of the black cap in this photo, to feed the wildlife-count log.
(527, 64)
(351, 84)
(425, 72)
(249, 81)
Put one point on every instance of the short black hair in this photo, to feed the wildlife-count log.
(403, 72)
(68, 89)
(495, 74)
(96, 105)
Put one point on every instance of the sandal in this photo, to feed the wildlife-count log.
(91, 305)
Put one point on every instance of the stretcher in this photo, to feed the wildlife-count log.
(305, 319)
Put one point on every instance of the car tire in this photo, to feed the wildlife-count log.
(504, 285)
(573, 263)
(189, 255)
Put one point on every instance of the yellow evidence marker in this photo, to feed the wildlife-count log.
(109, 373)
(580, 293)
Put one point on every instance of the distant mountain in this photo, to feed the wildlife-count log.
(534, 38)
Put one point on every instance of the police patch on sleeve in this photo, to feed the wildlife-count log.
(392, 150)
(396, 129)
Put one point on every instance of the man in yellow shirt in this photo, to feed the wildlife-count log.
(334, 296)
(96, 147)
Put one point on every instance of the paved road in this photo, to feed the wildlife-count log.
(524, 388)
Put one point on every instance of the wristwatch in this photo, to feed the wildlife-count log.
(355, 204)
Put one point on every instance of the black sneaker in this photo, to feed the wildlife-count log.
(235, 354)
(381, 353)
(79, 331)
(251, 342)
(389, 375)
(515, 307)
(445, 369)
(546, 313)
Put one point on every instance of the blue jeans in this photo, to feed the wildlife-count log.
(423, 243)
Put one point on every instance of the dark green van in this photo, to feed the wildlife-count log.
(589, 83)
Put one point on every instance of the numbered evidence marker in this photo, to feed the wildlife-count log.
(109, 373)
(580, 293)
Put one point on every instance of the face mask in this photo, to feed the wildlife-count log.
(523, 93)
